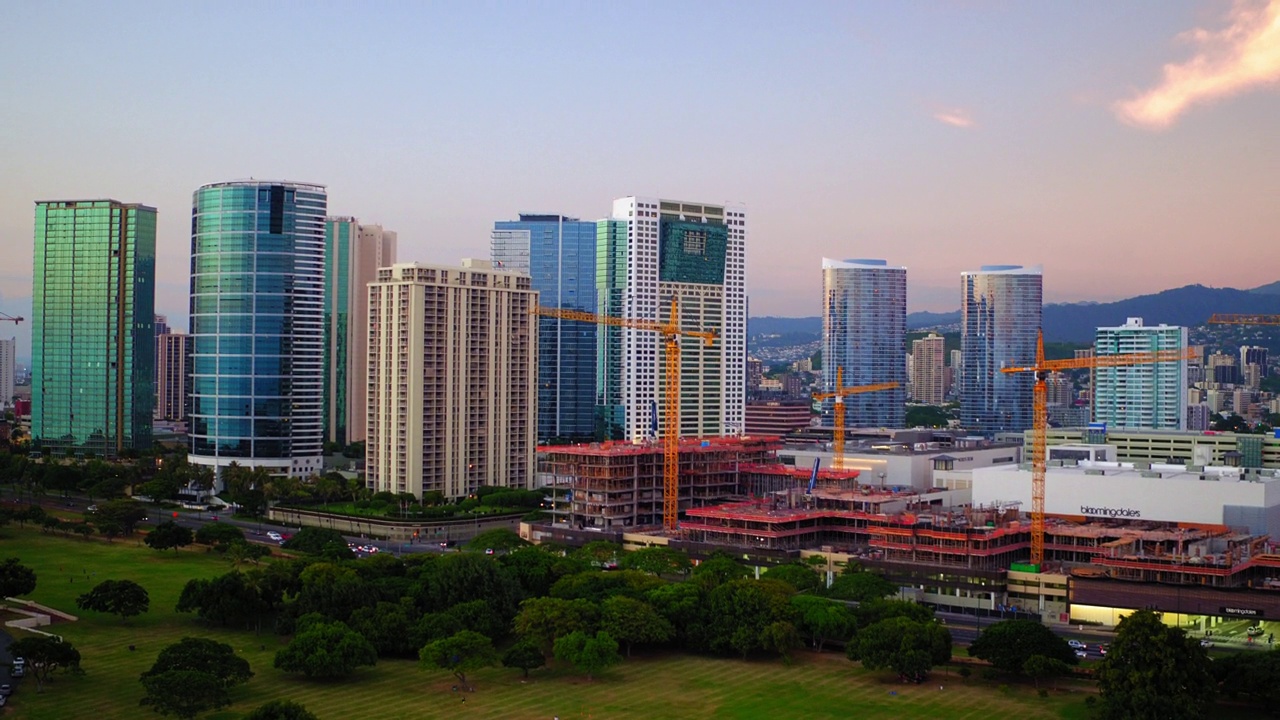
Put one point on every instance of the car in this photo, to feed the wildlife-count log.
(19, 661)
(1082, 654)
(488, 551)
(3, 700)
(6, 689)
(18, 671)
(1206, 643)
(92, 508)
(1254, 631)
(274, 535)
(1077, 645)
(1102, 650)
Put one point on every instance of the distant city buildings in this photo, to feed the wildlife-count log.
(999, 318)
(353, 254)
(257, 335)
(173, 351)
(559, 255)
(92, 334)
(648, 252)
(928, 381)
(8, 369)
(864, 326)
(452, 379)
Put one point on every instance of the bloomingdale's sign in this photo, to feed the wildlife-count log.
(1110, 512)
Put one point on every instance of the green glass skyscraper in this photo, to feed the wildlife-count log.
(92, 333)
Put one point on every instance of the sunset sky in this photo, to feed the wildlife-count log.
(1128, 147)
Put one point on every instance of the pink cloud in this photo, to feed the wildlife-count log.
(955, 117)
(1226, 62)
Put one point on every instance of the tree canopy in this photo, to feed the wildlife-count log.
(524, 655)
(797, 575)
(16, 578)
(588, 653)
(326, 651)
(281, 710)
(168, 534)
(125, 598)
(460, 653)
(44, 655)
(192, 676)
(1154, 671)
(908, 647)
(1009, 644)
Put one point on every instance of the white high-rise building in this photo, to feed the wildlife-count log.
(452, 402)
(8, 366)
(1148, 396)
(649, 251)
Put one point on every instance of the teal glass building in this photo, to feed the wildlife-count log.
(257, 289)
(559, 254)
(92, 329)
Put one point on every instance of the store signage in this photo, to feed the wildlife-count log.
(1241, 612)
(1110, 512)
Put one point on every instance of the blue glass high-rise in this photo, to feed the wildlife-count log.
(559, 254)
(257, 274)
(864, 326)
(999, 320)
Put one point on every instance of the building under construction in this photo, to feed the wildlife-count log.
(619, 485)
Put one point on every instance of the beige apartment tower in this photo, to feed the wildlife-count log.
(928, 381)
(172, 351)
(451, 381)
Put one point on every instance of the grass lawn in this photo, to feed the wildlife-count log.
(662, 686)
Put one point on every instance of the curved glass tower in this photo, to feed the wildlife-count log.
(999, 319)
(257, 291)
(864, 328)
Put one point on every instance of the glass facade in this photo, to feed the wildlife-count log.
(864, 327)
(559, 254)
(611, 286)
(257, 273)
(92, 330)
(1149, 396)
(339, 238)
(999, 321)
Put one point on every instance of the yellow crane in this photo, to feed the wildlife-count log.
(1040, 421)
(839, 394)
(671, 332)
(1228, 319)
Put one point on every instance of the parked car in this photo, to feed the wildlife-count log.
(18, 671)
(1077, 645)
(6, 689)
(19, 661)
(1254, 631)
(1206, 643)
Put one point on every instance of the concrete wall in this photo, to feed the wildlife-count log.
(395, 531)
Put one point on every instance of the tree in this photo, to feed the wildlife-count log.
(44, 655)
(390, 627)
(1254, 675)
(860, 587)
(799, 576)
(907, 647)
(326, 651)
(496, 539)
(226, 600)
(461, 653)
(1039, 667)
(821, 619)
(184, 693)
(544, 620)
(718, 569)
(588, 653)
(218, 534)
(125, 598)
(633, 621)
(240, 552)
(740, 611)
(281, 710)
(203, 655)
(1154, 671)
(125, 514)
(317, 541)
(525, 655)
(657, 561)
(16, 578)
(1009, 644)
(168, 534)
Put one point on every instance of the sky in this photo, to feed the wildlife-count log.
(1127, 147)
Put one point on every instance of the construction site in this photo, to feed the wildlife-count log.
(616, 485)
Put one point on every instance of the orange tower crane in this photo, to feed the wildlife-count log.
(1226, 319)
(1040, 422)
(672, 332)
(837, 436)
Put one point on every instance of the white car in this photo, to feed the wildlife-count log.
(274, 536)
(1254, 631)
(1077, 645)
(1082, 654)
